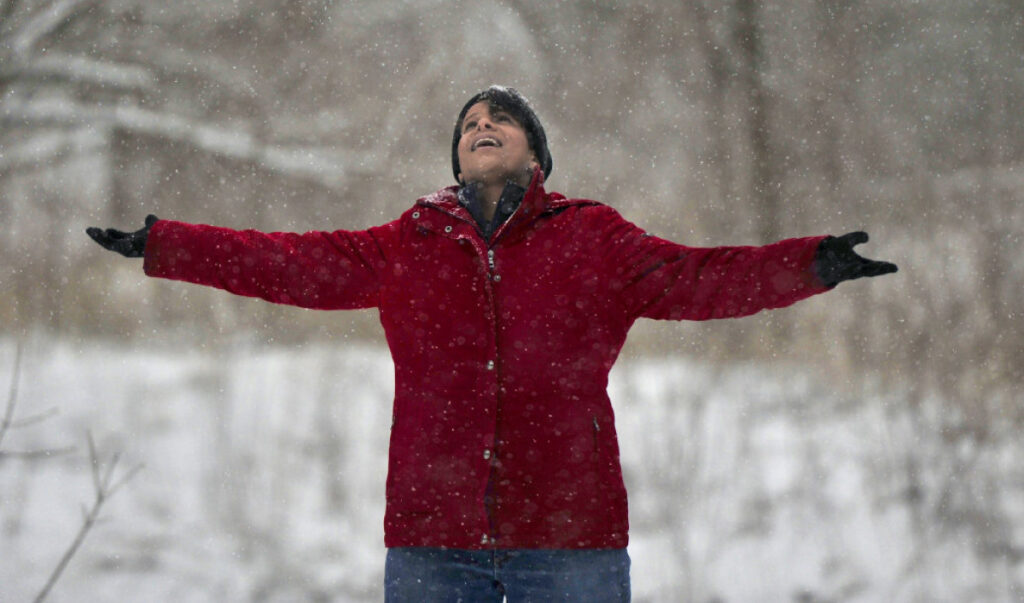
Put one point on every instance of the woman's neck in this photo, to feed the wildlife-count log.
(488, 192)
(488, 196)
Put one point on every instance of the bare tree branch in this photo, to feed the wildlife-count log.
(104, 486)
(94, 463)
(12, 395)
(9, 422)
(37, 418)
(35, 455)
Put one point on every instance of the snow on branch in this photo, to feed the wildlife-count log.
(42, 23)
(326, 166)
(48, 146)
(84, 70)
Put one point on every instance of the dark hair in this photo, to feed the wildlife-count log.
(509, 100)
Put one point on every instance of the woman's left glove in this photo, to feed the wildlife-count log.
(128, 244)
(836, 261)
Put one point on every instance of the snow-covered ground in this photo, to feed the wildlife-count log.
(265, 467)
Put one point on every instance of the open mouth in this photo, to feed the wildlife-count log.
(486, 142)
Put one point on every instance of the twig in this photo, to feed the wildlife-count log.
(12, 395)
(38, 418)
(31, 455)
(8, 422)
(105, 486)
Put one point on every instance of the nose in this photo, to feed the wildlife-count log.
(484, 123)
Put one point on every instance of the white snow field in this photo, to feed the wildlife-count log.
(264, 472)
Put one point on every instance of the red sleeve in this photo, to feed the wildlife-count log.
(664, 280)
(322, 270)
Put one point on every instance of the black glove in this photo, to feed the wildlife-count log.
(128, 244)
(836, 261)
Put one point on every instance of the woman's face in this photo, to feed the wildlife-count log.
(493, 147)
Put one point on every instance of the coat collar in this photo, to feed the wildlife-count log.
(511, 197)
(535, 201)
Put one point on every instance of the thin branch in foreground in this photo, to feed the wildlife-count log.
(105, 486)
(8, 421)
(37, 418)
(35, 455)
(12, 395)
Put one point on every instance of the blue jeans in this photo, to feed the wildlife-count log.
(415, 575)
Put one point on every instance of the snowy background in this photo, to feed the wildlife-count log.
(858, 446)
(264, 475)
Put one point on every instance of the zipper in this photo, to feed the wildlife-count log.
(489, 501)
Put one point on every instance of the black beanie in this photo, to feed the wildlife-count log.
(507, 99)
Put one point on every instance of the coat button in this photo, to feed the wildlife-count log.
(487, 454)
(490, 365)
(497, 277)
(484, 539)
(415, 215)
(448, 228)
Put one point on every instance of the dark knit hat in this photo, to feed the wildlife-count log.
(507, 99)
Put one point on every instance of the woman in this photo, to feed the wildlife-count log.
(504, 306)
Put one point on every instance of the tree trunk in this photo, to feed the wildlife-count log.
(764, 181)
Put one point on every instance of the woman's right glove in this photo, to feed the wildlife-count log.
(128, 244)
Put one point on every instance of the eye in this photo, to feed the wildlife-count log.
(503, 117)
(469, 125)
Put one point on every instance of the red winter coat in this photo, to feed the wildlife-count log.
(503, 434)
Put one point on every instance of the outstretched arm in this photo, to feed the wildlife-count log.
(664, 280)
(322, 270)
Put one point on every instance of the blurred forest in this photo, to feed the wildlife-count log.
(706, 122)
